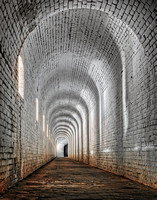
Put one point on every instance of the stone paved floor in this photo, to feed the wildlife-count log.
(67, 179)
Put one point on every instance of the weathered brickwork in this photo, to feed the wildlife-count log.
(92, 66)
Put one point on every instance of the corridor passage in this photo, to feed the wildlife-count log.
(78, 78)
(64, 178)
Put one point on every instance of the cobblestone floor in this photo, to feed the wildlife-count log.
(67, 179)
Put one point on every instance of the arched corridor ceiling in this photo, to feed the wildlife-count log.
(70, 51)
(26, 15)
(70, 56)
(89, 77)
(65, 52)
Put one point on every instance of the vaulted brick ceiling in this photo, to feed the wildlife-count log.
(70, 52)
(70, 57)
(90, 65)
(26, 15)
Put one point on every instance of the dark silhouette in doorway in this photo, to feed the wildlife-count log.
(66, 150)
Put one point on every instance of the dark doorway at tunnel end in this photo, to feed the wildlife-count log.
(66, 150)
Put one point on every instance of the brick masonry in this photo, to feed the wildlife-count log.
(93, 62)
(64, 178)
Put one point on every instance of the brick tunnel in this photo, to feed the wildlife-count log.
(78, 90)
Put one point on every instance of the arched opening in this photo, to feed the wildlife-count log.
(62, 147)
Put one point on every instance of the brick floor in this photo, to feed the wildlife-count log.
(67, 179)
